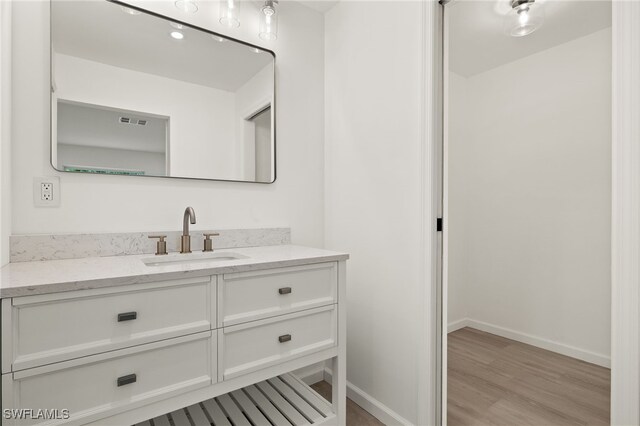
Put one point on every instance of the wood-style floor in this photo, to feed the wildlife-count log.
(356, 415)
(497, 381)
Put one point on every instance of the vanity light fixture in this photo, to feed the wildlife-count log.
(269, 21)
(525, 17)
(230, 13)
(187, 6)
(177, 35)
(129, 11)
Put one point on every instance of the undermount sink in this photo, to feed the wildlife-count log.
(175, 259)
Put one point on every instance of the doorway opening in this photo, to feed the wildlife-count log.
(528, 211)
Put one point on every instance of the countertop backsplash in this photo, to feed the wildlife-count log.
(28, 248)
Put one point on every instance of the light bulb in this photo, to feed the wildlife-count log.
(177, 35)
(525, 17)
(268, 21)
(230, 13)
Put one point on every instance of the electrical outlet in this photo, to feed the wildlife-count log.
(46, 191)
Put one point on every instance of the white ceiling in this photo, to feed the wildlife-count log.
(86, 125)
(477, 42)
(321, 6)
(101, 32)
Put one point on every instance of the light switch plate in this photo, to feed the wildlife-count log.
(46, 191)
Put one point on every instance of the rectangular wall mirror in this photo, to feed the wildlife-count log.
(134, 93)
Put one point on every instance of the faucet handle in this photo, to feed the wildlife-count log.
(208, 243)
(161, 245)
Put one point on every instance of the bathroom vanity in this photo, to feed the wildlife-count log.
(97, 335)
(121, 340)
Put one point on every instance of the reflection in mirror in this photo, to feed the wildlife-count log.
(97, 139)
(137, 94)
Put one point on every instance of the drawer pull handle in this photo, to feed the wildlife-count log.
(284, 290)
(127, 380)
(284, 338)
(127, 316)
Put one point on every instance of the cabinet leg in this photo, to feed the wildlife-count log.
(339, 389)
(339, 364)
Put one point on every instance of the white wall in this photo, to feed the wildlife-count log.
(373, 104)
(152, 163)
(202, 135)
(128, 204)
(5, 130)
(459, 192)
(530, 196)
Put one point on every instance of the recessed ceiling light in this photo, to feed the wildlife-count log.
(218, 38)
(188, 6)
(176, 25)
(177, 35)
(129, 11)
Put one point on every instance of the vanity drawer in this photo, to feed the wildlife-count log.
(249, 296)
(53, 328)
(249, 347)
(95, 386)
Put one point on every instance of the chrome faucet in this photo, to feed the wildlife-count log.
(189, 216)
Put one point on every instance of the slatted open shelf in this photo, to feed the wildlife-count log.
(281, 401)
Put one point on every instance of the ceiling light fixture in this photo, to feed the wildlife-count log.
(176, 25)
(269, 21)
(230, 13)
(218, 38)
(177, 35)
(525, 17)
(187, 6)
(129, 11)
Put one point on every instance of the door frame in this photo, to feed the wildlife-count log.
(625, 232)
(429, 378)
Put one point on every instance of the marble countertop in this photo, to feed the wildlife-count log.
(54, 276)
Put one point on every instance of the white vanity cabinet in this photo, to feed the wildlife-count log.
(123, 354)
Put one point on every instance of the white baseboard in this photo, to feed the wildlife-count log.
(457, 325)
(376, 408)
(311, 374)
(550, 345)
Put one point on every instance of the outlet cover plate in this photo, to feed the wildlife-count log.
(54, 194)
